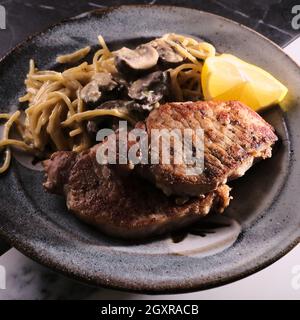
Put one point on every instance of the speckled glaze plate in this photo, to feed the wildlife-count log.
(262, 222)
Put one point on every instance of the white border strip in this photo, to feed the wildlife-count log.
(293, 50)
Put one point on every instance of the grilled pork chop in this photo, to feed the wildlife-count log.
(234, 138)
(121, 205)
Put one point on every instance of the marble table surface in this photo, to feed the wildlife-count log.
(269, 17)
(26, 279)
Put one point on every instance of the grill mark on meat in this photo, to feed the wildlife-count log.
(235, 109)
(218, 130)
(182, 123)
(212, 126)
(234, 135)
(216, 150)
(221, 152)
(228, 139)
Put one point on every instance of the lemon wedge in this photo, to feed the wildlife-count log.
(226, 77)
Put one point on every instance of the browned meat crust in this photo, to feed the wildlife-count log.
(234, 137)
(121, 205)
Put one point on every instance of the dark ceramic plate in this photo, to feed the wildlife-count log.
(260, 226)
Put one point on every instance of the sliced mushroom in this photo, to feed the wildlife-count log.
(167, 54)
(150, 89)
(105, 80)
(144, 57)
(101, 82)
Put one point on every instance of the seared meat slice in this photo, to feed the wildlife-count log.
(234, 136)
(121, 205)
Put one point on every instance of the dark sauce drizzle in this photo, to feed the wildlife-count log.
(201, 229)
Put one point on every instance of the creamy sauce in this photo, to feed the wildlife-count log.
(213, 234)
(210, 236)
(26, 160)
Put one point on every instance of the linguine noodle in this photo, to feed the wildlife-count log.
(55, 113)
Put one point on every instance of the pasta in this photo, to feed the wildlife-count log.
(75, 56)
(55, 115)
(5, 142)
(186, 78)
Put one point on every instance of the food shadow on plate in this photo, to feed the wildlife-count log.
(262, 184)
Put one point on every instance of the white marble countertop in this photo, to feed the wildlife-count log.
(26, 279)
